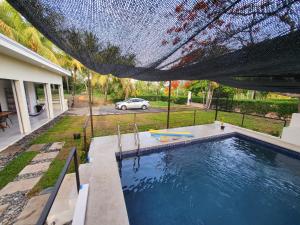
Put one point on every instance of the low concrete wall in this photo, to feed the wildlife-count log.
(291, 134)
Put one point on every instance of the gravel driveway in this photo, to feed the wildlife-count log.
(110, 110)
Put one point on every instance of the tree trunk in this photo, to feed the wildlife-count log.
(68, 87)
(106, 90)
(74, 87)
(209, 96)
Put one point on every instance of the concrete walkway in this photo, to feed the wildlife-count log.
(14, 205)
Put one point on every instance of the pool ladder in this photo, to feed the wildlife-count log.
(119, 142)
(137, 138)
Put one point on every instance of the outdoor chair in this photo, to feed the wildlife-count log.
(3, 123)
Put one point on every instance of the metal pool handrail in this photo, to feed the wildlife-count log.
(119, 141)
(47, 208)
(137, 137)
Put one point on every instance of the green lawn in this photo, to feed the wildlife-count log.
(10, 172)
(106, 125)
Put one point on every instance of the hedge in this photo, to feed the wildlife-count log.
(283, 108)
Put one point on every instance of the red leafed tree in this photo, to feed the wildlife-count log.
(174, 86)
(224, 22)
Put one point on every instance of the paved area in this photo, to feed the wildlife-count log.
(13, 134)
(110, 110)
(14, 205)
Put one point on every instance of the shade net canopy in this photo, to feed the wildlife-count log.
(253, 44)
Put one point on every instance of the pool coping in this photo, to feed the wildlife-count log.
(106, 203)
(149, 150)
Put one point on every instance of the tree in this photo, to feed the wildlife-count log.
(219, 27)
(15, 27)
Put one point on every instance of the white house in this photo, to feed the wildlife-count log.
(31, 91)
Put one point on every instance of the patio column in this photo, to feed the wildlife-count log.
(61, 98)
(31, 96)
(48, 100)
(21, 106)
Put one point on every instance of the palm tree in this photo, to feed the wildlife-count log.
(15, 27)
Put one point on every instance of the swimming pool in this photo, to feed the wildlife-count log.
(230, 181)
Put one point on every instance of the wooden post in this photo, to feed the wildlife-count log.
(90, 103)
(217, 105)
(169, 102)
(243, 118)
(194, 117)
(134, 118)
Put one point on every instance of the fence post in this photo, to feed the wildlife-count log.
(76, 171)
(134, 118)
(284, 123)
(90, 103)
(169, 102)
(243, 119)
(84, 139)
(194, 117)
(226, 104)
(217, 103)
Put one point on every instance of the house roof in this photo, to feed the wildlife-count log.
(18, 51)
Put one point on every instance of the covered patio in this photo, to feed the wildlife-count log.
(31, 91)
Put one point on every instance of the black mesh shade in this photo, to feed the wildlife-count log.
(253, 44)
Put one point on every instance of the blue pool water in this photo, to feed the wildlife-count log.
(225, 182)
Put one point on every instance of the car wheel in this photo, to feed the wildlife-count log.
(144, 107)
(123, 107)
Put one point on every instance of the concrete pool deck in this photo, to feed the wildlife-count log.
(106, 204)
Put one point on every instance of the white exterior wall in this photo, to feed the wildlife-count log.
(13, 69)
(20, 68)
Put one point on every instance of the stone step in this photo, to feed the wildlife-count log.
(32, 210)
(35, 168)
(3, 208)
(45, 156)
(21, 185)
(56, 146)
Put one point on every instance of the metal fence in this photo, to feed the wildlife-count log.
(107, 124)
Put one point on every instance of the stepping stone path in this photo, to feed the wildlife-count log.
(15, 207)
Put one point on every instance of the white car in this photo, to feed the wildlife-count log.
(133, 103)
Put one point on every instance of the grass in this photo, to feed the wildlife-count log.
(50, 177)
(106, 125)
(10, 172)
(62, 131)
